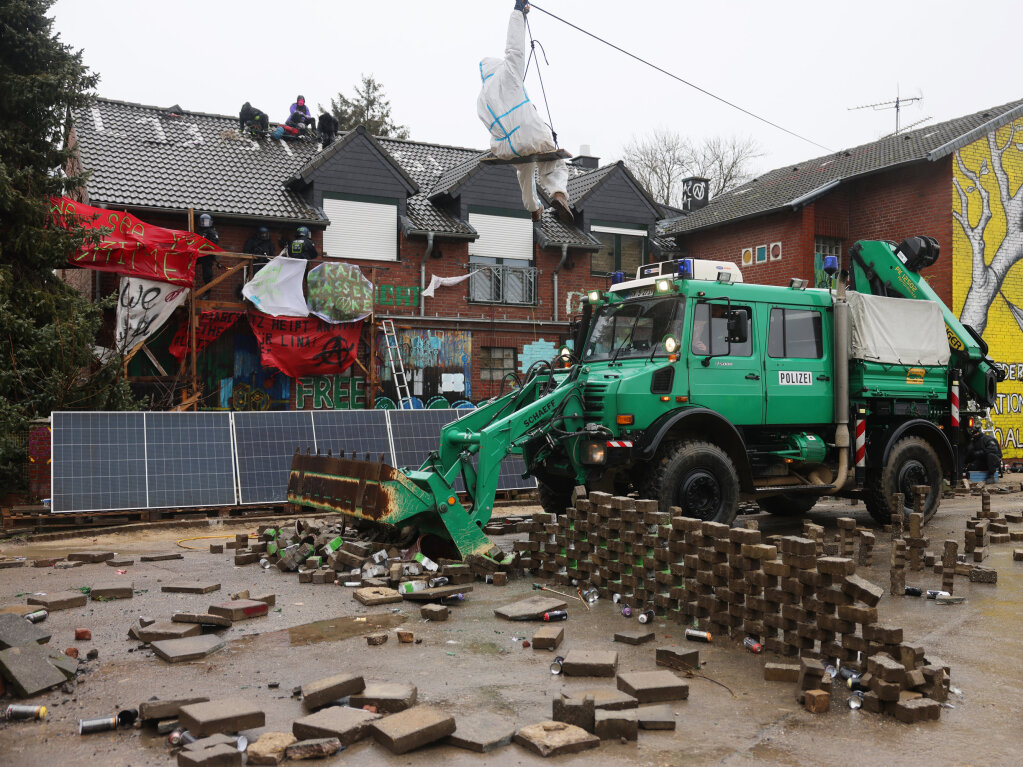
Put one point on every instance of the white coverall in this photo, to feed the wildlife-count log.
(515, 127)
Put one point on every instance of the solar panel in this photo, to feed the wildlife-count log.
(356, 432)
(416, 433)
(190, 459)
(98, 462)
(265, 443)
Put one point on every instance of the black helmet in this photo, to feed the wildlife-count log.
(205, 220)
(303, 231)
(263, 231)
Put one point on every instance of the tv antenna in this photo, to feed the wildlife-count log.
(897, 105)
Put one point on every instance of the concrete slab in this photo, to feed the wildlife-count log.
(113, 590)
(90, 556)
(388, 697)
(8, 563)
(555, 738)
(240, 609)
(217, 739)
(653, 686)
(160, 557)
(606, 698)
(318, 748)
(590, 663)
(203, 619)
(120, 562)
(481, 732)
(189, 648)
(434, 612)
(166, 708)
(16, 631)
(428, 595)
(548, 637)
(189, 587)
(323, 691)
(60, 600)
(161, 630)
(530, 609)
(28, 669)
(677, 657)
(614, 725)
(412, 729)
(225, 715)
(349, 725)
(269, 748)
(376, 595)
(216, 756)
(634, 637)
(65, 664)
(266, 597)
(655, 717)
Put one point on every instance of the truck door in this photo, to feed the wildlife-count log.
(799, 375)
(723, 376)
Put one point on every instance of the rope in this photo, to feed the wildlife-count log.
(532, 52)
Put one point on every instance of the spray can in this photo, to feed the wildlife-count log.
(426, 562)
(752, 645)
(854, 682)
(264, 563)
(695, 635)
(935, 593)
(914, 591)
(453, 599)
(556, 665)
(181, 737)
(591, 596)
(555, 615)
(647, 616)
(36, 617)
(616, 598)
(99, 724)
(856, 700)
(438, 582)
(627, 611)
(25, 712)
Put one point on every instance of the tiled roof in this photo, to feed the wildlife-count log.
(554, 234)
(800, 183)
(454, 176)
(151, 157)
(344, 139)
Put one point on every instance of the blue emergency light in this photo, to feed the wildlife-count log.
(617, 277)
(685, 268)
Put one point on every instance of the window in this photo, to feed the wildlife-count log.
(795, 334)
(710, 331)
(363, 228)
(824, 246)
(634, 329)
(500, 261)
(622, 250)
(496, 363)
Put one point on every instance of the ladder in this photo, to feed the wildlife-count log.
(397, 366)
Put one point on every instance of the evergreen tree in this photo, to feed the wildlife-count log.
(47, 328)
(369, 108)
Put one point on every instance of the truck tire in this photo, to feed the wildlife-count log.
(554, 500)
(699, 477)
(788, 504)
(911, 462)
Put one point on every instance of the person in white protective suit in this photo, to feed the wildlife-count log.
(516, 129)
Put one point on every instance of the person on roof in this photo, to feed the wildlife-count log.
(259, 245)
(299, 118)
(253, 120)
(206, 261)
(327, 127)
(516, 129)
(303, 246)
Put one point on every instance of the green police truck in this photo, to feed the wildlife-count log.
(689, 386)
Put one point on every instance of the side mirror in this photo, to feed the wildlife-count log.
(738, 327)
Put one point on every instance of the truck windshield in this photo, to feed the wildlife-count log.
(634, 329)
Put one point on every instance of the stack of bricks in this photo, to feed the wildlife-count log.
(755, 624)
(897, 562)
(977, 539)
(865, 550)
(846, 536)
(799, 555)
(915, 541)
(949, 555)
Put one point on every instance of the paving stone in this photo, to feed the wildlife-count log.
(203, 619)
(605, 698)
(548, 637)
(428, 595)
(323, 691)
(167, 630)
(377, 639)
(817, 701)
(29, 670)
(412, 729)
(90, 556)
(590, 663)
(481, 732)
(240, 609)
(217, 756)
(655, 717)
(916, 710)
(269, 748)
(266, 597)
(612, 725)
(225, 715)
(189, 648)
(781, 672)
(190, 588)
(113, 590)
(434, 612)
(16, 631)
(217, 739)
(530, 609)
(653, 686)
(160, 557)
(120, 562)
(21, 610)
(64, 663)
(47, 562)
(61, 600)
(677, 657)
(577, 711)
(388, 697)
(166, 708)
(555, 738)
(317, 748)
(6, 564)
(349, 725)
(634, 637)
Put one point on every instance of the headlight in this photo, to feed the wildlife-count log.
(594, 452)
(594, 296)
(670, 344)
(663, 286)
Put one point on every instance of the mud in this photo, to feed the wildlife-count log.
(474, 662)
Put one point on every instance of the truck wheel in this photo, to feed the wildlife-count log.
(554, 499)
(911, 462)
(698, 477)
(788, 504)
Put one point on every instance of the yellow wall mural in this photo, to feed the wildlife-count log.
(987, 249)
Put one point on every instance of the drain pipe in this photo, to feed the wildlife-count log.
(841, 384)
(422, 274)
(561, 263)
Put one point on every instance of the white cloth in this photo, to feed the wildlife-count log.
(443, 282)
(503, 105)
(897, 330)
(143, 306)
(278, 288)
(553, 178)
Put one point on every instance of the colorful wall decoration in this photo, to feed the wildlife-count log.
(987, 247)
(397, 295)
(245, 384)
(538, 350)
(438, 362)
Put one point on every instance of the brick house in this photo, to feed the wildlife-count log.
(403, 211)
(958, 181)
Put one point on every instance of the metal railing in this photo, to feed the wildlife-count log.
(499, 284)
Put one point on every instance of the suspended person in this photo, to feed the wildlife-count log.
(206, 261)
(253, 120)
(259, 245)
(516, 129)
(303, 246)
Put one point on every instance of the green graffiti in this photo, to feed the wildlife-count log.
(331, 392)
(397, 295)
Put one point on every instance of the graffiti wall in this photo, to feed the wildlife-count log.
(332, 392)
(233, 369)
(438, 363)
(987, 205)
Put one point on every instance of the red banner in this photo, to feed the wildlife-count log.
(210, 326)
(130, 246)
(305, 346)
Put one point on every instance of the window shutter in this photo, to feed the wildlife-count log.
(502, 237)
(366, 230)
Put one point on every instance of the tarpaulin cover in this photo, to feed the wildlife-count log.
(277, 290)
(131, 246)
(305, 346)
(339, 292)
(897, 330)
(209, 327)
(143, 306)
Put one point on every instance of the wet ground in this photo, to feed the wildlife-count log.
(475, 662)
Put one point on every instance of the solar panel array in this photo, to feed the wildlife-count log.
(118, 461)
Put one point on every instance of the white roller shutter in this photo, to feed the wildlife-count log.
(502, 237)
(360, 230)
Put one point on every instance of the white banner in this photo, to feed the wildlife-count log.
(278, 288)
(143, 306)
(443, 282)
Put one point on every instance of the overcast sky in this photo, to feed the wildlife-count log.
(801, 65)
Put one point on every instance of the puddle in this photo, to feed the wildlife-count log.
(328, 630)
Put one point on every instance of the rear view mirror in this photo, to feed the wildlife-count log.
(738, 327)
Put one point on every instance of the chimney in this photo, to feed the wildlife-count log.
(695, 193)
(584, 159)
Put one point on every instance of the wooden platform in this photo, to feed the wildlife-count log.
(36, 518)
(559, 154)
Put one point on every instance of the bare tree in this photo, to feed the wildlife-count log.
(988, 278)
(663, 158)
